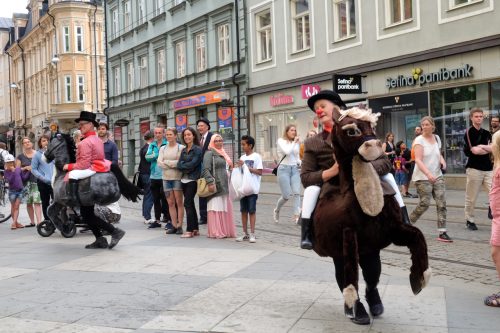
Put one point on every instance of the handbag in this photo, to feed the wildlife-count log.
(275, 170)
(202, 185)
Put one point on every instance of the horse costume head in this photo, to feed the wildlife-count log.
(61, 149)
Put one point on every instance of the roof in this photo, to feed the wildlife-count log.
(5, 23)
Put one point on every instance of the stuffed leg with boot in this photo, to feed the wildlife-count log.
(311, 194)
(389, 179)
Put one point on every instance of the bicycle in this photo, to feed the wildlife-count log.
(4, 201)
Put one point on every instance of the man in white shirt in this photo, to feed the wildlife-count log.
(203, 126)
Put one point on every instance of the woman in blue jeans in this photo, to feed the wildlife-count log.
(288, 172)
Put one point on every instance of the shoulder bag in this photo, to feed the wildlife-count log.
(275, 170)
(202, 191)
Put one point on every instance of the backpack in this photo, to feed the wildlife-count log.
(2, 162)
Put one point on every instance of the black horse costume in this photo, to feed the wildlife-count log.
(358, 218)
(102, 188)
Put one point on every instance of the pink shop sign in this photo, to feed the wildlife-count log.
(309, 90)
(280, 99)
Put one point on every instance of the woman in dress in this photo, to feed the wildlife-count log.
(190, 165)
(168, 157)
(216, 166)
(288, 172)
(428, 176)
(32, 195)
(388, 147)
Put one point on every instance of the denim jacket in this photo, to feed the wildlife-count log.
(190, 162)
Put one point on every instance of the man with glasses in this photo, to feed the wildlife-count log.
(495, 124)
(91, 149)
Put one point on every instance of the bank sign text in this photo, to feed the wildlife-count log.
(421, 78)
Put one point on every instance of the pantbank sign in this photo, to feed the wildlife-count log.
(418, 76)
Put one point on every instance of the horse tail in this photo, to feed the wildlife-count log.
(127, 189)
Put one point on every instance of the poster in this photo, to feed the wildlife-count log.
(225, 121)
(181, 122)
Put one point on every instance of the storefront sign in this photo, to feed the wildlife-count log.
(201, 99)
(347, 84)
(418, 76)
(309, 90)
(407, 102)
(181, 122)
(280, 99)
(122, 122)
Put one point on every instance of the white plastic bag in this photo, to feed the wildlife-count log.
(235, 183)
(247, 186)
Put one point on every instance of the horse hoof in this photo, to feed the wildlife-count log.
(420, 282)
(361, 317)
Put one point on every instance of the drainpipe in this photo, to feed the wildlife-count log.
(24, 86)
(238, 62)
(95, 59)
(10, 100)
(106, 58)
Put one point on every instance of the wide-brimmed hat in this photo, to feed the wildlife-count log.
(330, 95)
(205, 120)
(87, 116)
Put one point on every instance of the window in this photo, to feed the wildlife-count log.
(455, 3)
(400, 10)
(141, 8)
(130, 76)
(114, 23)
(159, 6)
(201, 56)
(78, 39)
(180, 58)
(300, 25)
(160, 66)
(177, 2)
(66, 39)
(127, 16)
(264, 36)
(223, 44)
(116, 81)
(67, 88)
(143, 71)
(344, 13)
(81, 88)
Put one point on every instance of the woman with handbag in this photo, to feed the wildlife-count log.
(216, 164)
(168, 158)
(288, 172)
(190, 165)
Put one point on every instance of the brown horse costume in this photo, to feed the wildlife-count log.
(359, 219)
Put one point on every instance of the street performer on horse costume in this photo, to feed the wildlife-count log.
(90, 159)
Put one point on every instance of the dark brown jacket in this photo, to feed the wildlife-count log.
(318, 156)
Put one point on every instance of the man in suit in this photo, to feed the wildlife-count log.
(203, 126)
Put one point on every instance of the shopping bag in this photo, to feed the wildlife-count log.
(247, 186)
(235, 183)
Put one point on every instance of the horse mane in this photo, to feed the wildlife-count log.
(361, 114)
(70, 146)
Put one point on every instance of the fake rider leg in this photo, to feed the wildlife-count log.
(311, 194)
(389, 178)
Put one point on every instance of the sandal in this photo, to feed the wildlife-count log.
(13, 227)
(29, 225)
(19, 226)
(492, 300)
(196, 233)
(187, 234)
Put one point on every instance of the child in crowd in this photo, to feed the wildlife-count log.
(248, 204)
(15, 177)
(494, 300)
(401, 173)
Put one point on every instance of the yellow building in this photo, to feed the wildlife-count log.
(57, 65)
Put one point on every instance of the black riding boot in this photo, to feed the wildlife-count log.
(74, 199)
(374, 302)
(404, 215)
(306, 234)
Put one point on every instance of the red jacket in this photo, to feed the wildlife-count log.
(90, 155)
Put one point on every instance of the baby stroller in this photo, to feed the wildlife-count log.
(73, 220)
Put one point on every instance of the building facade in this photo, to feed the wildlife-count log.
(167, 62)
(57, 65)
(403, 58)
(5, 97)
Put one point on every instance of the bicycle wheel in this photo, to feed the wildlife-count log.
(3, 202)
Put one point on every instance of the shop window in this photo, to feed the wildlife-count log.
(450, 109)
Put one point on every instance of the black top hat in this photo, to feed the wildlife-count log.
(205, 120)
(87, 116)
(330, 95)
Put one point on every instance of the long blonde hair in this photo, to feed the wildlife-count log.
(495, 149)
(287, 128)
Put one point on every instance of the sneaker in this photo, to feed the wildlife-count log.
(148, 221)
(252, 238)
(246, 237)
(169, 225)
(171, 231)
(154, 224)
(276, 215)
(443, 237)
(179, 231)
(471, 226)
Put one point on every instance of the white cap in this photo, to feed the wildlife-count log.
(9, 158)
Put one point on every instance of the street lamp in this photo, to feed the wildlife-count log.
(14, 86)
(55, 59)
